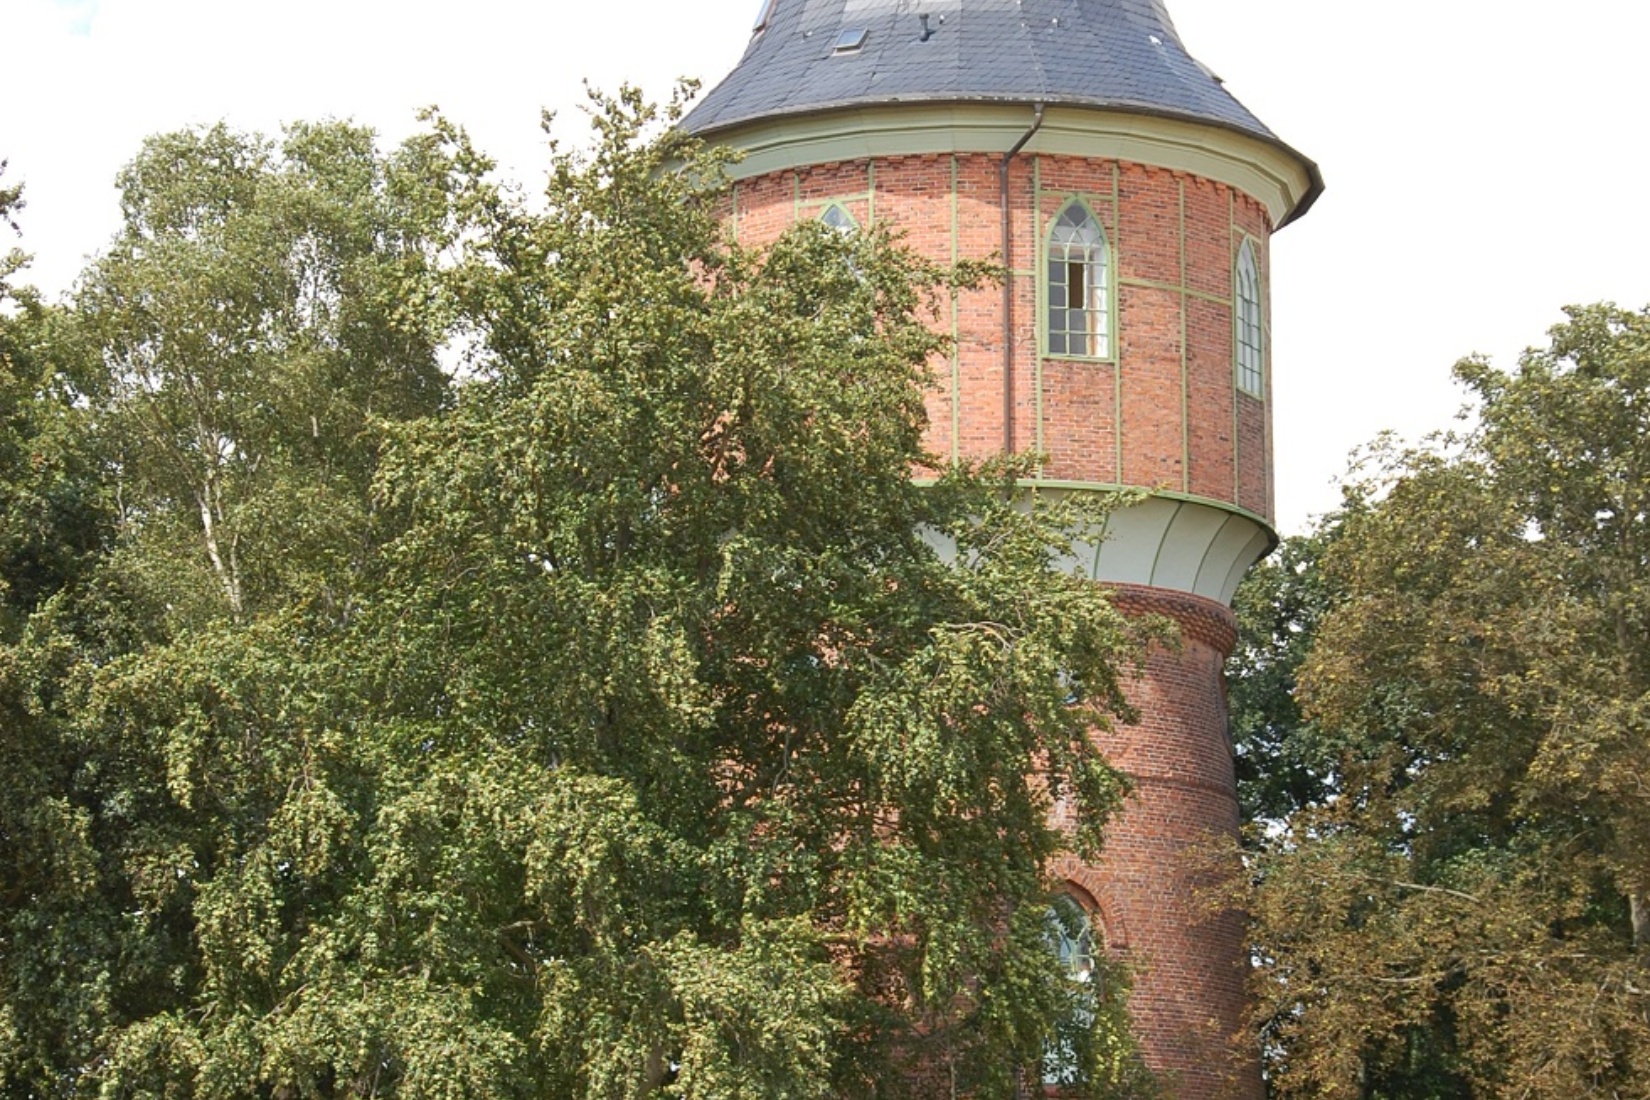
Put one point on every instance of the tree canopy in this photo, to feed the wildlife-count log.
(505, 654)
(1282, 767)
(1463, 912)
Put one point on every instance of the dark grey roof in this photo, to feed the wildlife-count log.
(1122, 54)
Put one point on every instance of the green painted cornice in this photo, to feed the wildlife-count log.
(1282, 181)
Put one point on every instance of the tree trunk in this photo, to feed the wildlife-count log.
(1639, 905)
(227, 573)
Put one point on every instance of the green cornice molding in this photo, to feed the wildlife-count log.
(1279, 180)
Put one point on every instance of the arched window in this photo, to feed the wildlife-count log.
(839, 219)
(1071, 934)
(1079, 286)
(1251, 377)
(1071, 938)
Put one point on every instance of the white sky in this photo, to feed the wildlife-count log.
(1486, 159)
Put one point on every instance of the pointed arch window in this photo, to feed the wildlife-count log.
(839, 219)
(1079, 286)
(1251, 374)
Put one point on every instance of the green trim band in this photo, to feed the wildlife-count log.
(1281, 182)
(1107, 487)
(1190, 292)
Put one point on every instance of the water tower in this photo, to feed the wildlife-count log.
(1133, 200)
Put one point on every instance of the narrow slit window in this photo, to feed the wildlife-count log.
(1079, 289)
(1251, 375)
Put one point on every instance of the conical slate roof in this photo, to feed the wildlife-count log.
(1116, 54)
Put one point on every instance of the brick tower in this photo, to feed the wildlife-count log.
(1132, 200)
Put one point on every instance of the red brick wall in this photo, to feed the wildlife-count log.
(1189, 996)
(1167, 403)
(1165, 409)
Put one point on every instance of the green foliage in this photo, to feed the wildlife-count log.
(1467, 917)
(11, 201)
(54, 513)
(604, 724)
(1281, 765)
(260, 315)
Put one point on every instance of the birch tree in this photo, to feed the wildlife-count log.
(262, 310)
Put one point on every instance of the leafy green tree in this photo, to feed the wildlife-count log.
(55, 520)
(193, 439)
(625, 735)
(260, 314)
(1281, 765)
(1465, 917)
(52, 516)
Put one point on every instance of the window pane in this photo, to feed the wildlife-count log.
(838, 219)
(1250, 358)
(1071, 938)
(1077, 302)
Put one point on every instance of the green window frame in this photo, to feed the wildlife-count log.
(1077, 286)
(1249, 336)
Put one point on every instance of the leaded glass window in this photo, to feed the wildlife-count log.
(1079, 286)
(1251, 377)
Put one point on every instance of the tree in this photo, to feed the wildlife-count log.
(1281, 765)
(192, 440)
(1464, 918)
(261, 313)
(53, 515)
(655, 750)
(55, 521)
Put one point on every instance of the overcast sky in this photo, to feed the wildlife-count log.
(1486, 159)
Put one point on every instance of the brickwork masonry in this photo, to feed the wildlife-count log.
(1163, 412)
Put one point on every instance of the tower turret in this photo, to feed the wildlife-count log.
(1132, 200)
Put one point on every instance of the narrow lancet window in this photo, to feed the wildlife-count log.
(1079, 291)
(1251, 377)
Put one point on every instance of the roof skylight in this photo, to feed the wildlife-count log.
(851, 40)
